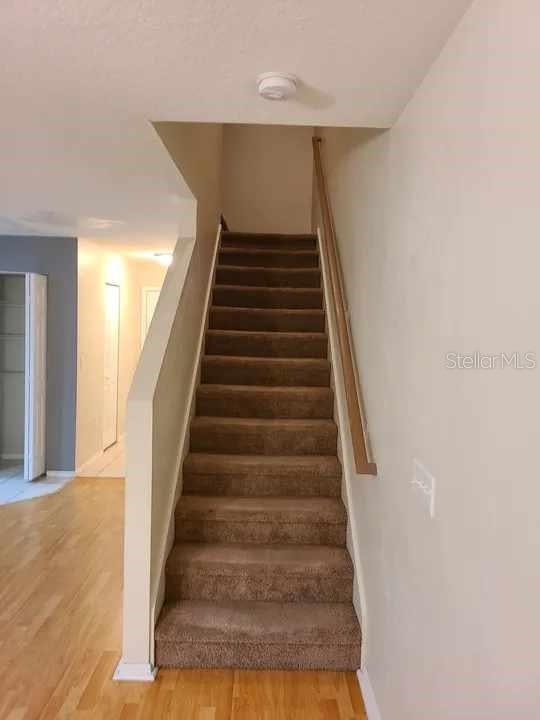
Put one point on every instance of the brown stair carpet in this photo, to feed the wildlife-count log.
(258, 635)
(285, 372)
(263, 241)
(264, 402)
(259, 576)
(269, 277)
(253, 257)
(253, 343)
(301, 520)
(276, 319)
(281, 573)
(260, 475)
(246, 296)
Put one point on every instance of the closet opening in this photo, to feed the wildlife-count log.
(23, 343)
(12, 375)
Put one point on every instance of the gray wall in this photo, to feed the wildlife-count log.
(56, 258)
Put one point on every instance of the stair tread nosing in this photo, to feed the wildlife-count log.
(269, 269)
(260, 622)
(268, 277)
(261, 360)
(263, 436)
(277, 291)
(296, 424)
(240, 240)
(261, 252)
(269, 371)
(247, 271)
(277, 465)
(262, 475)
(241, 559)
(265, 343)
(295, 320)
(269, 312)
(274, 390)
(264, 401)
(249, 234)
(268, 257)
(268, 297)
(266, 509)
(271, 334)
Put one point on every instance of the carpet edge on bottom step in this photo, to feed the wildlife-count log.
(225, 634)
(287, 657)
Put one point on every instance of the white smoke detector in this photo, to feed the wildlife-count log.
(276, 86)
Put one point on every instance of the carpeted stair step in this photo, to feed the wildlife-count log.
(266, 520)
(269, 258)
(267, 297)
(259, 575)
(274, 319)
(268, 241)
(230, 370)
(277, 573)
(249, 436)
(251, 343)
(260, 475)
(268, 277)
(255, 401)
(258, 635)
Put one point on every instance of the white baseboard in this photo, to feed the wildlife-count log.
(134, 672)
(61, 473)
(100, 454)
(89, 462)
(370, 702)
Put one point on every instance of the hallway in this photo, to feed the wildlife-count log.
(61, 559)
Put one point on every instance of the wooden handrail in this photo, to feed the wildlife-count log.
(352, 387)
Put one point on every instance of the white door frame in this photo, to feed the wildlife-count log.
(106, 444)
(35, 375)
(144, 304)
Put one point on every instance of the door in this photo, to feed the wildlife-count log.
(110, 383)
(150, 297)
(36, 375)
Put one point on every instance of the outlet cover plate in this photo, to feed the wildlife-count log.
(423, 484)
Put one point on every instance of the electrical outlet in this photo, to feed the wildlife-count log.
(423, 485)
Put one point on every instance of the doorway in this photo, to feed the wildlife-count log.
(110, 382)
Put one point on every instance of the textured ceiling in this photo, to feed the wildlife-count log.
(81, 80)
(198, 59)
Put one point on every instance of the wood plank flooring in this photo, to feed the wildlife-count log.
(60, 630)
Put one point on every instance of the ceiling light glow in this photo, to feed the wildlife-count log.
(163, 258)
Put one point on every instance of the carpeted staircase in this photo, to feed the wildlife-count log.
(259, 576)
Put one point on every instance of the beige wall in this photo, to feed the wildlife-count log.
(96, 267)
(438, 227)
(267, 178)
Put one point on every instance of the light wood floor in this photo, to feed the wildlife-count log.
(60, 629)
